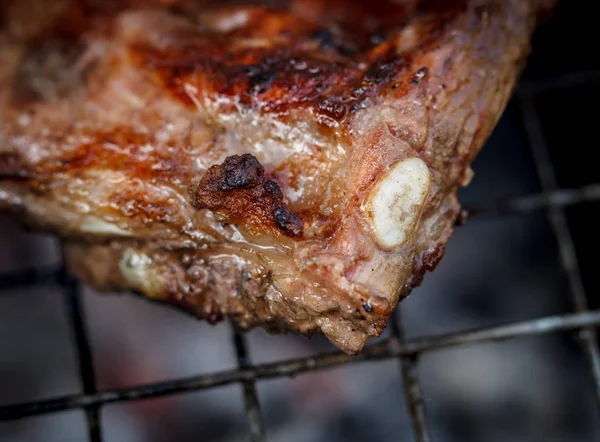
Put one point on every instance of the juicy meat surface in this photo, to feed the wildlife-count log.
(289, 163)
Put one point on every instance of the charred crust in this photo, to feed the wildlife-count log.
(328, 41)
(378, 38)
(274, 189)
(324, 38)
(238, 192)
(240, 172)
(288, 221)
(260, 82)
(332, 71)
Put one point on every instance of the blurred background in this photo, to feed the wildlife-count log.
(495, 270)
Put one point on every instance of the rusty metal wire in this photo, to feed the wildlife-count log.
(558, 221)
(253, 415)
(552, 199)
(523, 205)
(385, 350)
(76, 316)
(414, 397)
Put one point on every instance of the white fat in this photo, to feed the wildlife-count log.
(231, 22)
(91, 224)
(394, 205)
(137, 268)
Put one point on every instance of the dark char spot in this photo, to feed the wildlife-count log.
(378, 38)
(324, 37)
(273, 188)
(260, 82)
(328, 41)
(288, 220)
(240, 172)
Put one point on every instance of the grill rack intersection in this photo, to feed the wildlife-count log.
(552, 200)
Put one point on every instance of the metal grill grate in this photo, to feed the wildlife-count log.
(552, 199)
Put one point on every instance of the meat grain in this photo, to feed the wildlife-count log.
(292, 164)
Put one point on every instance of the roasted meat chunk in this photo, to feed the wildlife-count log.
(292, 164)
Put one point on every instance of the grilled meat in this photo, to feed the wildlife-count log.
(290, 163)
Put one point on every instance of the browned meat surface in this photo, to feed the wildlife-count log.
(289, 163)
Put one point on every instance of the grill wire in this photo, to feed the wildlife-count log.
(552, 199)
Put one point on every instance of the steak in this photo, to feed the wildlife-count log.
(292, 164)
